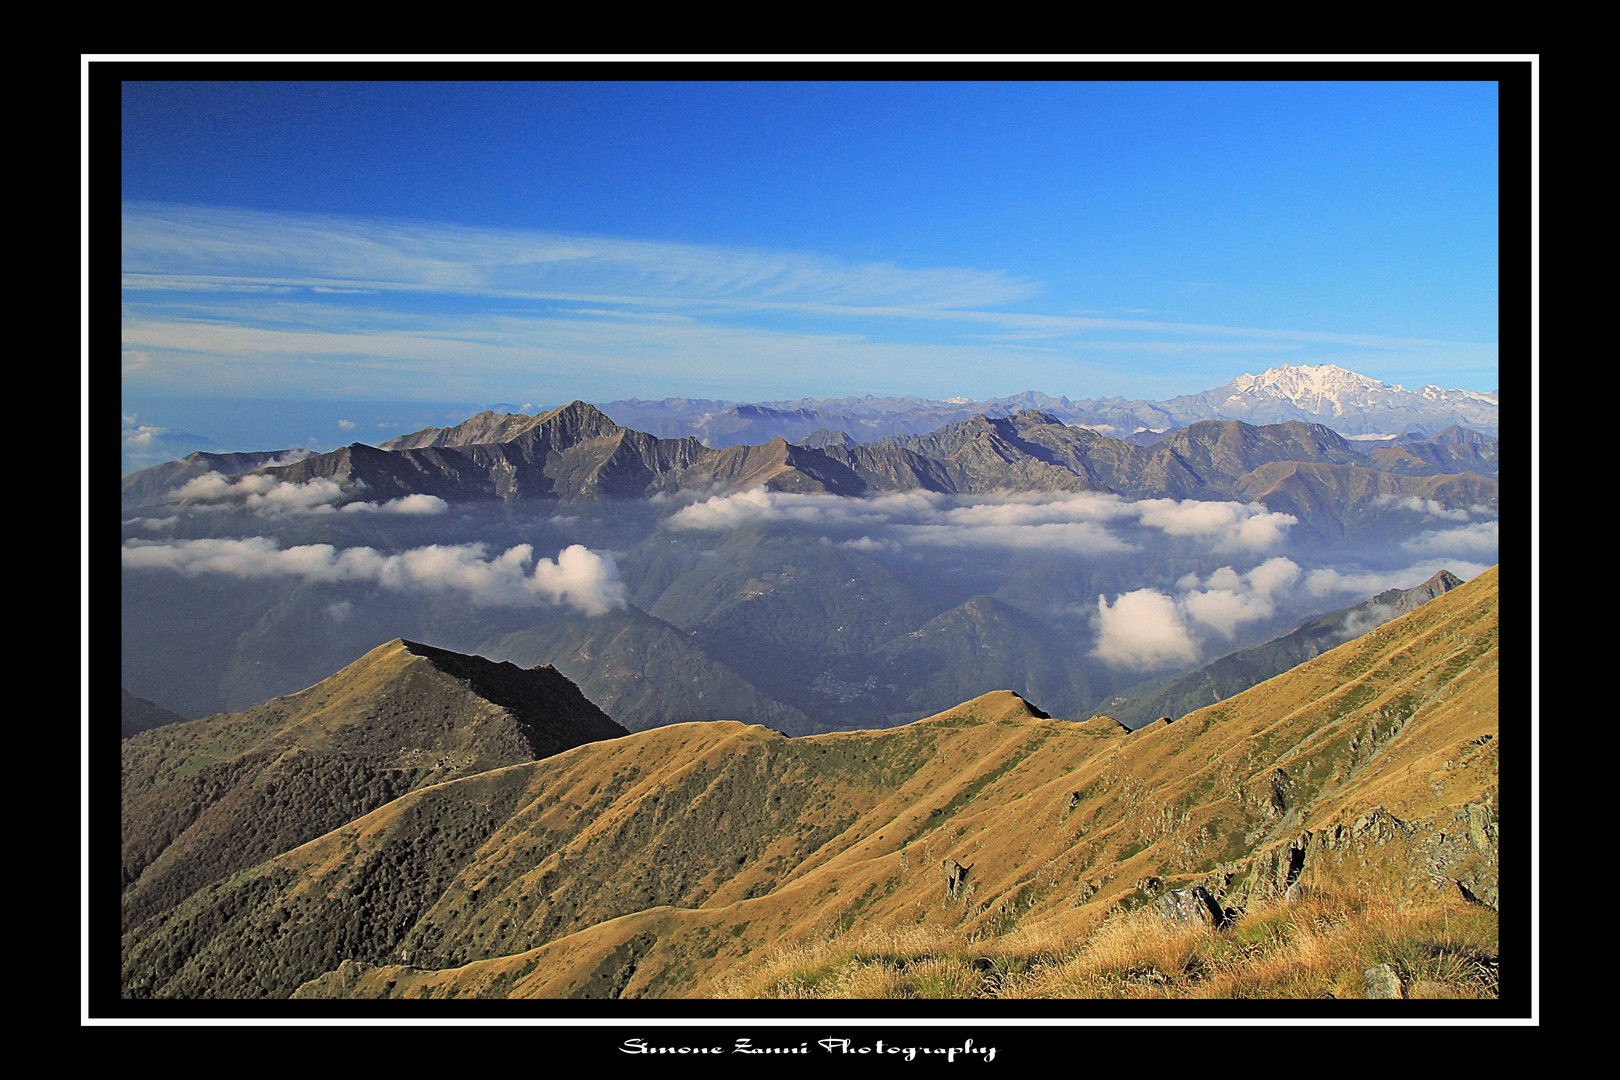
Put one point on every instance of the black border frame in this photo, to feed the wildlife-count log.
(697, 1023)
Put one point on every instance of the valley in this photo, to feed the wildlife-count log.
(764, 698)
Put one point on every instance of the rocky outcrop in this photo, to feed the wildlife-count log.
(1382, 982)
(955, 877)
(1190, 906)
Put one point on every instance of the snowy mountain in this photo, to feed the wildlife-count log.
(1350, 403)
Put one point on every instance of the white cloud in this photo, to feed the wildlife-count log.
(1330, 583)
(267, 496)
(1228, 600)
(231, 249)
(1083, 523)
(578, 577)
(229, 300)
(1369, 618)
(152, 524)
(1228, 526)
(1418, 505)
(1480, 539)
(408, 504)
(1149, 628)
(1143, 630)
(263, 494)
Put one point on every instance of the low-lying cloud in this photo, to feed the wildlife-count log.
(1427, 507)
(1328, 583)
(1086, 522)
(1147, 629)
(578, 578)
(1143, 630)
(1481, 538)
(268, 496)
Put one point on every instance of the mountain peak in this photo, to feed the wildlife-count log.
(1442, 581)
(1296, 381)
(998, 706)
(578, 412)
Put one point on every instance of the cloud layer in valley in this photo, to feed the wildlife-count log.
(579, 578)
(1087, 523)
(270, 497)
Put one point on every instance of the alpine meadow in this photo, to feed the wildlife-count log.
(975, 548)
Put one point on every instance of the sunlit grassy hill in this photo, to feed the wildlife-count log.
(686, 860)
(209, 797)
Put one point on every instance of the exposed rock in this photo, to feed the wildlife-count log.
(1087, 889)
(955, 877)
(1191, 905)
(1382, 982)
(1279, 792)
(1481, 828)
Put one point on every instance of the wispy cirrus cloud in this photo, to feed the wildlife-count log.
(231, 301)
(182, 247)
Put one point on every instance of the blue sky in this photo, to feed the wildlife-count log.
(533, 243)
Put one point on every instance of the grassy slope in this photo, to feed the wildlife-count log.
(206, 798)
(674, 861)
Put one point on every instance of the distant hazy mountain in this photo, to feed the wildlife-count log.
(141, 715)
(577, 452)
(1343, 400)
(1453, 450)
(984, 642)
(645, 672)
(1234, 673)
(158, 483)
(206, 798)
(1347, 502)
(1349, 403)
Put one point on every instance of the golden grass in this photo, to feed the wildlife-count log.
(1319, 946)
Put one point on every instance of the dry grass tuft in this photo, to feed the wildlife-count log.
(1319, 946)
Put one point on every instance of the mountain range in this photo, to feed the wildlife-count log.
(576, 452)
(769, 627)
(1342, 400)
(673, 862)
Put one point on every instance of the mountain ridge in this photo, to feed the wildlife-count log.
(578, 453)
(206, 797)
(663, 863)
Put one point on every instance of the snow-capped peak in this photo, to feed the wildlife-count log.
(1320, 381)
